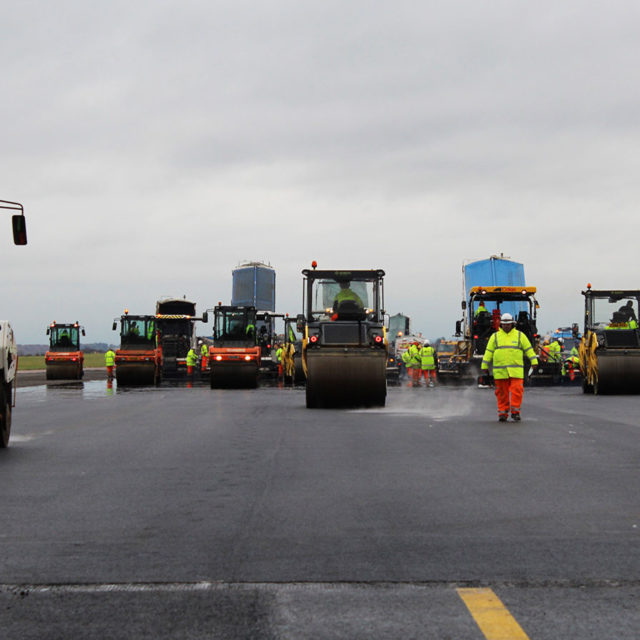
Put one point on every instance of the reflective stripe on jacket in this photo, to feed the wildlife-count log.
(506, 351)
(110, 358)
(428, 359)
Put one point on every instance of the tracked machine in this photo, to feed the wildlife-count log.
(138, 360)
(8, 346)
(175, 324)
(64, 360)
(609, 351)
(234, 358)
(344, 350)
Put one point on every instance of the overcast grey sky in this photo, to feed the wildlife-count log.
(155, 145)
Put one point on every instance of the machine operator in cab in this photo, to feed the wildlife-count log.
(346, 294)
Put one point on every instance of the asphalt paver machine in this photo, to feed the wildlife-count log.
(345, 349)
(64, 360)
(609, 351)
(481, 320)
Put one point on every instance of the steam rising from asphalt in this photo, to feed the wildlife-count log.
(436, 404)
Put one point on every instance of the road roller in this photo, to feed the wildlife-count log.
(138, 360)
(234, 358)
(64, 360)
(609, 351)
(345, 347)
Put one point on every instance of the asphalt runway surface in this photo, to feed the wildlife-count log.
(178, 512)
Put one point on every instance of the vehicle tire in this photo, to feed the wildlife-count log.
(5, 420)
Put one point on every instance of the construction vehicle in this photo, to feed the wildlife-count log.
(8, 346)
(453, 361)
(176, 329)
(344, 350)
(399, 326)
(64, 360)
(235, 357)
(292, 352)
(609, 351)
(481, 321)
(138, 360)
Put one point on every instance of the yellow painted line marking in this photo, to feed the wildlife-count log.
(493, 618)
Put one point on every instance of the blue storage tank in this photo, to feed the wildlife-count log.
(494, 272)
(254, 285)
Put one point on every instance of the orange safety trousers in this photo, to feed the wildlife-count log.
(204, 363)
(426, 373)
(509, 394)
(110, 372)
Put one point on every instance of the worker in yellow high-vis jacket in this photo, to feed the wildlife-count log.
(506, 350)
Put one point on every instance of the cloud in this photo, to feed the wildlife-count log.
(156, 145)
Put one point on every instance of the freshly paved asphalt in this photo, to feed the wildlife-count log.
(189, 513)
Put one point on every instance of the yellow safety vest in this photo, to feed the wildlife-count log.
(427, 356)
(109, 358)
(414, 356)
(506, 351)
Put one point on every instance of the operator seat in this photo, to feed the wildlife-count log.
(350, 310)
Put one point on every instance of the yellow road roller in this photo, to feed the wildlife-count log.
(344, 349)
(609, 351)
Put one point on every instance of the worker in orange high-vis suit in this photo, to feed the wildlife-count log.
(427, 364)
(415, 363)
(204, 354)
(192, 360)
(279, 352)
(110, 361)
(506, 350)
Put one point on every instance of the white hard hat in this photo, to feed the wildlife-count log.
(426, 343)
(561, 340)
(506, 317)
